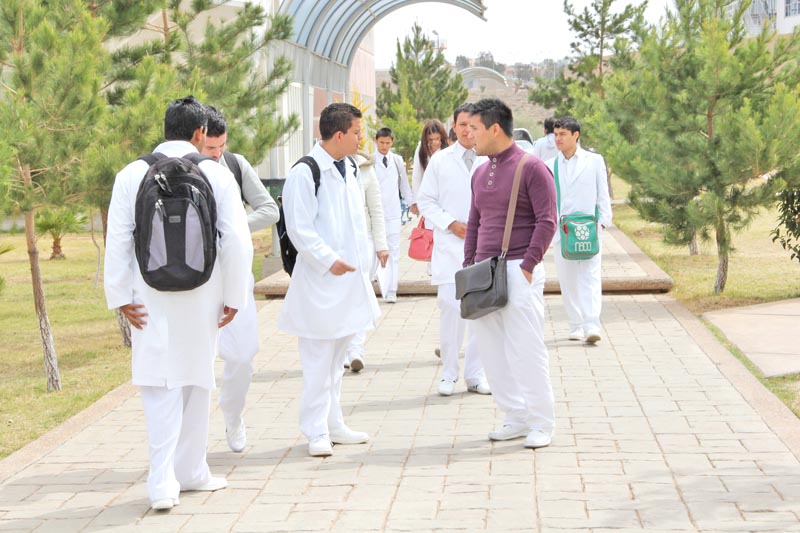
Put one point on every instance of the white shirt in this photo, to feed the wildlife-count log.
(445, 196)
(584, 185)
(324, 227)
(177, 346)
(394, 182)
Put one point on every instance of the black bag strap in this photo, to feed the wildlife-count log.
(152, 158)
(314, 166)
(233, 165)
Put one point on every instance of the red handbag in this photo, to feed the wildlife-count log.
(421, 246)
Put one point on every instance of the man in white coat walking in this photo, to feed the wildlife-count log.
(444, 199)
(584, 188)
(391, 173)
(238, 342)
(174, 334)
(330, 297)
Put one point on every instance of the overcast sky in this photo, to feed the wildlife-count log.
(514, 31)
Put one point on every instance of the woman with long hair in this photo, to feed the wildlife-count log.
(434, 138)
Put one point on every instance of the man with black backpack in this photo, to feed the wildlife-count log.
(238, 342)
(330, 297)
(178, 256)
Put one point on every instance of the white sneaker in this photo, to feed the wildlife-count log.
(391, 297)
(538, 439)
(356, 365)
(213, 483)
(447, 387)
(164, 504)
(237, 437)
(509, 432)
(593, 335)
(576, 334)
(479, 387)
(320, 447)
(345, 435)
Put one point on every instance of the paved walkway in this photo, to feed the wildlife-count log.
(764, 333)
(660, 429)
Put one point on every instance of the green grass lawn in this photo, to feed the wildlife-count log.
(759, 271)
(88, 344)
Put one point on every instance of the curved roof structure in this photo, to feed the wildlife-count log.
(333, 29)
(474, 73)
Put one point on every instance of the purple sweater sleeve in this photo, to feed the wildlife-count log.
(542, 194)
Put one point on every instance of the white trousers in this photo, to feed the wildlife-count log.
(451, 338)
(238, 346)
(356, 347)
(511, 344)
(177, 436)
(323, 367)
(581, 290)
(391, 273)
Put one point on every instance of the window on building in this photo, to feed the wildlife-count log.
(792, 8)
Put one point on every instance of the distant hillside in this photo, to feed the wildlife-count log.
(526, 115)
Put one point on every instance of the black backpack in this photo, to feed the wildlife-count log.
(288, 251)
(175, 237)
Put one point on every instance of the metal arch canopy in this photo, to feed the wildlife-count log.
(474, 73)
(333, 29)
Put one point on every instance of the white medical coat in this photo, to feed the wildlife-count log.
(583, 187)
(177, 346)
(394, 182)
(324, 227)
(444, 197)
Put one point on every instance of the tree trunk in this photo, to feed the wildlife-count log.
(124, 328)
(722, 259)
(97, 247)
(58, 252)
(122, 322)
(694, 248)
(45, 331)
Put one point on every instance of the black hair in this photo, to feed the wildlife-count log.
(463, 108)
(568, 123)
(337, 117)
(183, 117)
(384, 132)
(549, 124)
(217, 125)
(493, 111)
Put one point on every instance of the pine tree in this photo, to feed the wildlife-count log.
(599, 32)
(421, 76)
(706, 125)
(51, 60)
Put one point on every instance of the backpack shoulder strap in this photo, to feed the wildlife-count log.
(355, 166)
(315, 172)
(151, 158)
(233, 165)
(197, 158)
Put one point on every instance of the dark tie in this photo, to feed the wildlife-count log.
(385, 162)
(340, 166)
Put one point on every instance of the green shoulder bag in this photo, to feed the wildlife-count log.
(578, 230)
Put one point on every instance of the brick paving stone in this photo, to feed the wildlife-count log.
(651, 436)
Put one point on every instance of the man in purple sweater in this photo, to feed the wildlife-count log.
(511, 340)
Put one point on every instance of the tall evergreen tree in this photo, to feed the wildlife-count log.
(599, 32)
(706, 124)
(51, 61)
(422, 76)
